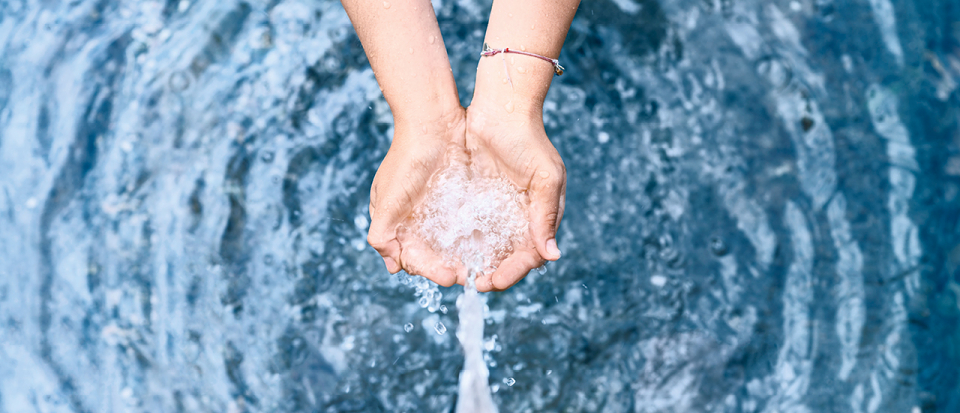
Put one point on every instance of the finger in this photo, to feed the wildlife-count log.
(419, 259)
(383, 238)
(484, 281)
(562, 205)
(515, 267)
(546, 188)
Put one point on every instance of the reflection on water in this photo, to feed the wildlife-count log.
(762, 213)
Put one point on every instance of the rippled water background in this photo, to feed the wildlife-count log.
(763, 213)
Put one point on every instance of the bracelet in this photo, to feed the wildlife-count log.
(489, 51)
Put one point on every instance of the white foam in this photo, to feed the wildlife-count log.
(461, 200)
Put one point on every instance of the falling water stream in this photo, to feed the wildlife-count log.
(474, 388)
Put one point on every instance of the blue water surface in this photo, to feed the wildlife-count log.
(763, 213)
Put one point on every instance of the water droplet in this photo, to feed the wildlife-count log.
(408, 327)
(549, 372)
(490, 343)
(509, 381)
(508, 107)
(424, 302)
(521, 69)
(505, 80)
(443, 309)
(542, 269)
(494, 388)
(433, 39)
(386, 4)
(267, 156)
(522, 49)
(718, 247)
(544, 174)
(658, 280)
(440, 328)
(410, 50)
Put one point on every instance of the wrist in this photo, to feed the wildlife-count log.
(428, 124)
(515, 84)
(428, 105)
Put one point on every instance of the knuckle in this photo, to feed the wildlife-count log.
(551, 218)
(376, 241)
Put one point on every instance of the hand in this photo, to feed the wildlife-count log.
(416, 153)
(516, 145)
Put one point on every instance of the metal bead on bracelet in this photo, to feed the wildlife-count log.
(489, 51)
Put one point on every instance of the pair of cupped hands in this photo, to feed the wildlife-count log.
(505, 141)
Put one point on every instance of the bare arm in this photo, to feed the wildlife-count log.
(403, 44)
(536, 26)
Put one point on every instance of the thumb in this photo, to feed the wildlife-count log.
(546, 190)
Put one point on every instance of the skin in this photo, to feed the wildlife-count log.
(502, 129)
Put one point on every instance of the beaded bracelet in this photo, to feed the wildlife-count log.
(489, 51)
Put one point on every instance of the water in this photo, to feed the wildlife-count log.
(474, 389)
(474, 221)
(762, 200)
(464, 213)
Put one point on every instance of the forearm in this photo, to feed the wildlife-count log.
(403, 44)
(516, 82)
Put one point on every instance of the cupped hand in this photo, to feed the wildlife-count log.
(516, 145)
(417, 152)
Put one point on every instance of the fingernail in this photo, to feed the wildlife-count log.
(552, 248)
(390, 263)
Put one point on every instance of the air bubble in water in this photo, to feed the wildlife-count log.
(509, 381)
(408, 327)
(424, 302)
(267, 156)
(179, 81)
(440, 328)
(443, 309)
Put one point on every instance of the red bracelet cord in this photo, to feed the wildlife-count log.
(489, 51)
